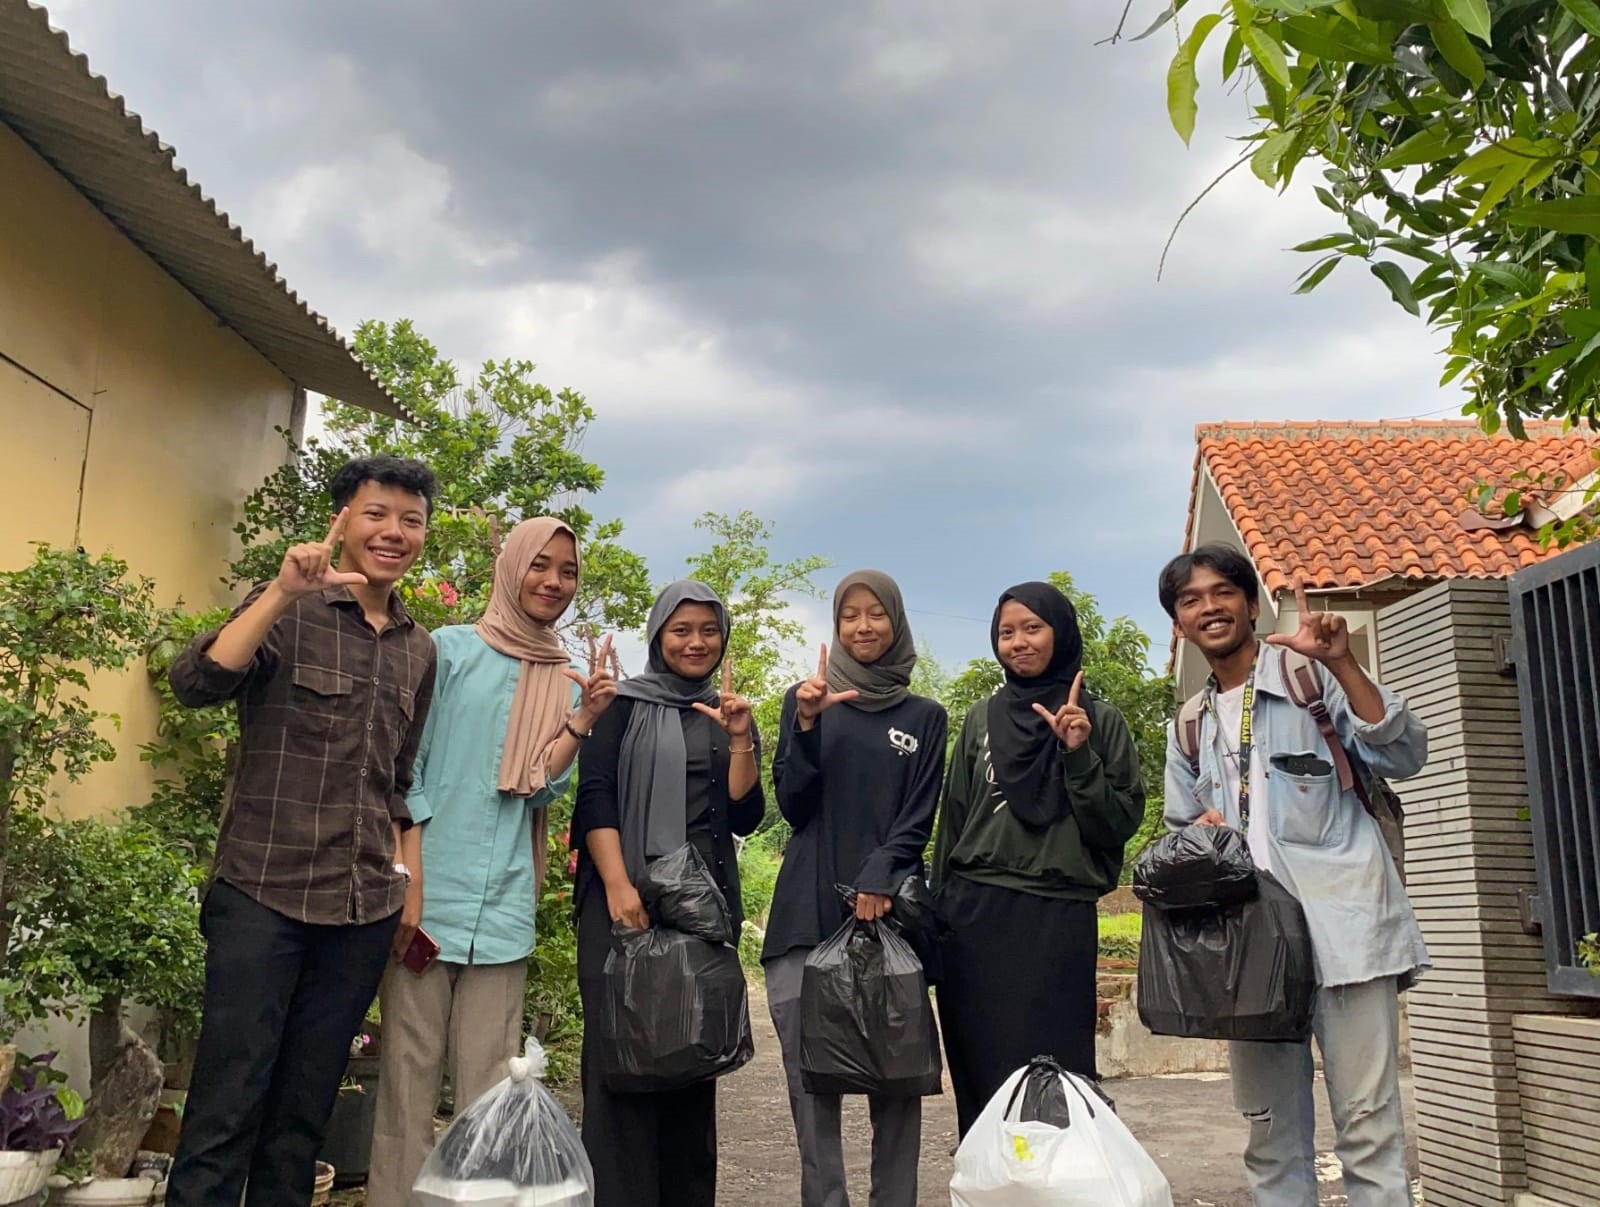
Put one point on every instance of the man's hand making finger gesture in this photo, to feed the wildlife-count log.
(813, 698)
(308, 568)
(1324, 636)
(1070, 722)
(599, 685)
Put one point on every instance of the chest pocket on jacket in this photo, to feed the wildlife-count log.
(1307, 810)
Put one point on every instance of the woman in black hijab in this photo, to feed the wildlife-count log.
(1043, 793)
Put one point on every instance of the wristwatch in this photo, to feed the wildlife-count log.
(403, 870)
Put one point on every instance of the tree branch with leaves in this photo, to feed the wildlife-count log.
(1458, 143)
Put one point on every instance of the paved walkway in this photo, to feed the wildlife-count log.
(1187, 1123)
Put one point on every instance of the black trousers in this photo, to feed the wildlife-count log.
(283, 1001)
(1019, 982)
(648, 1150)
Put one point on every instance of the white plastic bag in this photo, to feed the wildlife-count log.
(1006, 1161)
(513, 1147)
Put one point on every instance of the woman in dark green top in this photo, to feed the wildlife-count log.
(1043, 792)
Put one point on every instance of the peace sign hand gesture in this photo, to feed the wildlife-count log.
(308, 568)
(734, 711)
(812, 698)
(1324, 636)
(1070, 722)
(599, 685)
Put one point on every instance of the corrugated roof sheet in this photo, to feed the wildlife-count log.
(86, 132)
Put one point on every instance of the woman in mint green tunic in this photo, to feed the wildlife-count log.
(509, 713)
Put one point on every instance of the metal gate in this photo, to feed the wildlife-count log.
(1555, 617)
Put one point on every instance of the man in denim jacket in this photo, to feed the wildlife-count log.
(1320, 842)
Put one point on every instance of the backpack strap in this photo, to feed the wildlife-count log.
(1304, 684)
(1186, 728)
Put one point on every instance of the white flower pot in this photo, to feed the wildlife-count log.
(108, 1192)
(23, 1174)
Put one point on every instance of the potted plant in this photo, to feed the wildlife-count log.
(347, 1144)
(39, 1116)
(102, 913)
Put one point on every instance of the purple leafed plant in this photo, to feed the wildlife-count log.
(37, 1110)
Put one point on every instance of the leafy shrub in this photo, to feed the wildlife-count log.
(1119, 936)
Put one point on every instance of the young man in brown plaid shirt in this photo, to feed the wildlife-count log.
(316, 879)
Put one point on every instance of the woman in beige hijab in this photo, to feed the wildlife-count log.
(508, 716)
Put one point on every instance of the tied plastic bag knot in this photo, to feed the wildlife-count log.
(681, 893)
(1245, 972)
(1197, 867)
(1046, 1140)
(511, 1147)
(534, 1062)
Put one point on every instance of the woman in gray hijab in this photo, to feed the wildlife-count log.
(673, 760)
(857, 773)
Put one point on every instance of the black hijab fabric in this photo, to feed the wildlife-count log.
(1023, 750)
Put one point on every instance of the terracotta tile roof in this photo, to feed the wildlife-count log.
(1351, 504)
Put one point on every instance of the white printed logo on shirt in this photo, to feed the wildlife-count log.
(904, 743)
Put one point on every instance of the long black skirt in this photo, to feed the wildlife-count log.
(648, 1150)
(1019, 982)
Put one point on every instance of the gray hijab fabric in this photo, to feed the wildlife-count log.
(884, 683)
(652, 766)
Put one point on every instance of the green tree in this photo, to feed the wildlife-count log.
(63, 616)
(504, 447)
(191, 746)
(758, 591)
(1457, 142)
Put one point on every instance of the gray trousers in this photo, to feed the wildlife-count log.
(1357, 1028)
(470, 1012)
(896, 1122)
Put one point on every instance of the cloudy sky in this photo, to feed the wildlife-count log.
(883, 272)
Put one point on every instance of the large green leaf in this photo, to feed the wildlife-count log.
(1266, 50)
(1317, 274)
(1392, 275)
(1335, 41)
(1264, 163)
(1182, 82)
(1518, 278)
(1458, 50)
(1569, 215)
(1428, 146)
(1473, 16)
(1586, 13)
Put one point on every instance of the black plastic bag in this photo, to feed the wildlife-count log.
(914, 915)
(1044, 1097)
(866, 1019)
(1244, 973)
(680, 892)
(676, 1011)
(1194, 868)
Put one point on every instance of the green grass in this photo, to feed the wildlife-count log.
(1119, 936)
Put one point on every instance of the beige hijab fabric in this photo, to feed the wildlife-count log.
(543, 696)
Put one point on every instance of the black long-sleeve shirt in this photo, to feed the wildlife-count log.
(860, 790)
(713, 818)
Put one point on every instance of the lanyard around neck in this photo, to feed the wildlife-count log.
(1246, 741)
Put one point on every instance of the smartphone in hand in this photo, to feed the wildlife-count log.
(422, 952)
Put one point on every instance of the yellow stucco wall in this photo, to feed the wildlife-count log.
(134, 423)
